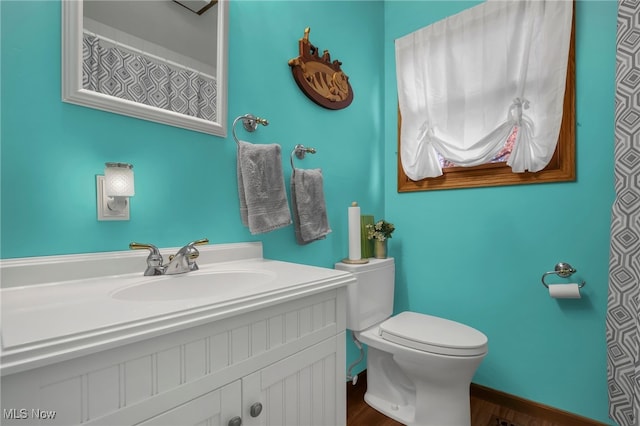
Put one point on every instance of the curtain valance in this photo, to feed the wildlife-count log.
(491, 74)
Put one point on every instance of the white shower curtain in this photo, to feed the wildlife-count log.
(623, 312)
(469, 82)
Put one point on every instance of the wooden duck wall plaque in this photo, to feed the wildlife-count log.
(320, 79)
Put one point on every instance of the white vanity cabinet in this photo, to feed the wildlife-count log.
(287, 356)
(210, 409)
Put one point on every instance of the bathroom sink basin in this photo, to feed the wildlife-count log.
(221, 284)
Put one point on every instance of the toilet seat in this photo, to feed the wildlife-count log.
(433, 334)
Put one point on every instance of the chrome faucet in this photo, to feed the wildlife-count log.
(183, 261)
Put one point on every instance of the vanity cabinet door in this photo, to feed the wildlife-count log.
(306, 388)
(216, 408)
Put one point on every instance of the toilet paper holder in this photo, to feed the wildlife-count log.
(562, 269)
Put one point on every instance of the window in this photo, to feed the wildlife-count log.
(560, 168)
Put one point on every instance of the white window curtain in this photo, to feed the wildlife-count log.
(469, 82)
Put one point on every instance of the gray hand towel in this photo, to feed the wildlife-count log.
(263, 199)
(309, 207)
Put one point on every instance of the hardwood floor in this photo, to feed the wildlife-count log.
(359, 413)
(483, 413)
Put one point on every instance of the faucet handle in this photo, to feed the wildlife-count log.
(199, 242)
(191, 252)
(154, 258)
(139, 246)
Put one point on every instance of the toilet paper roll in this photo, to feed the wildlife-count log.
(355, 252)
(564, 291)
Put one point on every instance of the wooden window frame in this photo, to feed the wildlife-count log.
(561, 168)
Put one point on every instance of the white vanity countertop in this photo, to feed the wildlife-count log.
(49, 322)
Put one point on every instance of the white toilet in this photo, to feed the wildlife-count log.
(419, 367)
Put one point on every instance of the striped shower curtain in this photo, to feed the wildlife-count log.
(623, 313)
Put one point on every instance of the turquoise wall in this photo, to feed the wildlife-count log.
(185, 181)
(471, 255)
(477, 255)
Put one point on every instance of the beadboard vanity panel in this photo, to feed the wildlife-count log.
(285, 354)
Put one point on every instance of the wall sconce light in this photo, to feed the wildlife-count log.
(114, 190)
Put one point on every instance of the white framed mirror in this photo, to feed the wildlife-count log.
(158, 60)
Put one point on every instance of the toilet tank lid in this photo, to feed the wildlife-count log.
(363, 267)
(434, 334)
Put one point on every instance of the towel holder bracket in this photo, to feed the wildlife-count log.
(249, 122)
(300, 151)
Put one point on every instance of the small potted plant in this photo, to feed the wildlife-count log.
(380, 232)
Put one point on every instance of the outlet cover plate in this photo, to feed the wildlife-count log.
(104, 212)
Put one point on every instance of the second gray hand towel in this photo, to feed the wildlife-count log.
(263, 198)
(309, 207)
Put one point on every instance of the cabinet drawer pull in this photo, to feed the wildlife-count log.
(236, 421)
(255, 409)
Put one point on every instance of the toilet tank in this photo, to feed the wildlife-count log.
(370, 298)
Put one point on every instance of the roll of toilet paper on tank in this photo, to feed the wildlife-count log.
(564, 291)
(355, 252)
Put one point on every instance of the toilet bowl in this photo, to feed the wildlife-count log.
(419, 367)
